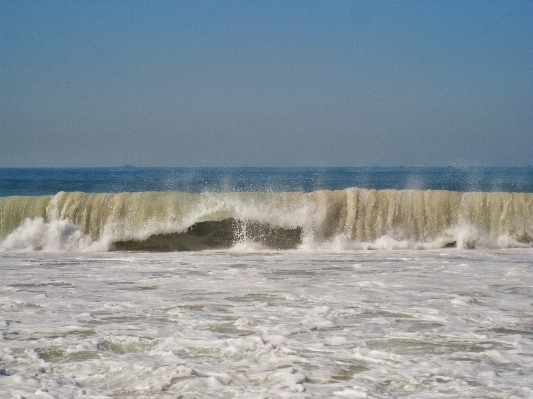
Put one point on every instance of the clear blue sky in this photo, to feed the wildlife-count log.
(275, 83)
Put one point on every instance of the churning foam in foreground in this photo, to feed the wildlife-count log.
(348, 219)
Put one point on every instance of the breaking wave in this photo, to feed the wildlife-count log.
(349, 219)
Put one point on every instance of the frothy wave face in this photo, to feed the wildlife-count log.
(36, 235)
(348, 219)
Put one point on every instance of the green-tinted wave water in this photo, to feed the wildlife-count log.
(349, 218)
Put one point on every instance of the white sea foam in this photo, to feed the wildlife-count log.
(296, 324)
(57, 235)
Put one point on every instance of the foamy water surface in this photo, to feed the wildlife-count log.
(246, 323)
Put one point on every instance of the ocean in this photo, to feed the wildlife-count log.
(266, 282)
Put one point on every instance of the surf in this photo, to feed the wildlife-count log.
(352, 218)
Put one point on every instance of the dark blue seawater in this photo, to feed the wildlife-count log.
(45, 181)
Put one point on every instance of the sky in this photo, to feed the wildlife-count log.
(275, 83)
